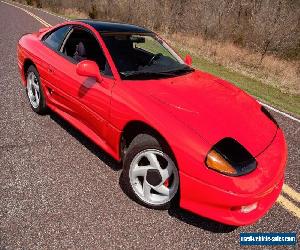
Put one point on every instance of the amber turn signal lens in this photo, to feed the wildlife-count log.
(216, 162)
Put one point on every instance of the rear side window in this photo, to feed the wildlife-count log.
(55, 39)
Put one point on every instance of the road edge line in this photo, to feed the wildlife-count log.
(280, 112)
(41, 9)
(30, 14)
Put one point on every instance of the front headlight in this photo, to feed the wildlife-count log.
(216, 162)
(230, 158)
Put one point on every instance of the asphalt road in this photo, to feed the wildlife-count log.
(58, 190)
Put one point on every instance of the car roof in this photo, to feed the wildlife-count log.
(112, 27)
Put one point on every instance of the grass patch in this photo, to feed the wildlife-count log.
(266, 93)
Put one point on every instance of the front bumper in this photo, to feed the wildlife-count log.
(224, 205)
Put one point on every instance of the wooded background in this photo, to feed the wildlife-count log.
(266, 26)
(257, 38)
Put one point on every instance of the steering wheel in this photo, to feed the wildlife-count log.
(154, 58)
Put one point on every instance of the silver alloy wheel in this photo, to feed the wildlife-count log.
(33, 90)
(168, 181)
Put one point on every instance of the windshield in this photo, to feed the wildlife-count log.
(143, 56)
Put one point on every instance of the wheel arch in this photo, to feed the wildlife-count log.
(134, 128)
(27, 63)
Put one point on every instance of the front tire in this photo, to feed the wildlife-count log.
(150, 176)
(34, 91)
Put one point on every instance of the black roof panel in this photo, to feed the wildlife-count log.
(104, 27)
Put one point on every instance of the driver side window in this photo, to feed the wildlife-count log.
(81, 45)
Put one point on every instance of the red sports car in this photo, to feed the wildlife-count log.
(179, 132)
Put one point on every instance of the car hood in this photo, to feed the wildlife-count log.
(214, 108)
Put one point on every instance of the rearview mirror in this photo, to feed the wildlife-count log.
(188, 60)
(89, 68)
(137, 39)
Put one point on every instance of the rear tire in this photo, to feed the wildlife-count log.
(34, 91)
(150, 176)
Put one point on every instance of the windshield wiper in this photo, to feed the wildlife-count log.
(184, 69)
(133, 74)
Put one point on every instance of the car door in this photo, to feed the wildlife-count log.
(85, 99)
(52, 61)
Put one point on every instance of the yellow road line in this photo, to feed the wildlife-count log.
(290, 206)
(291, 193)
(31, 14)
(39, 9)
